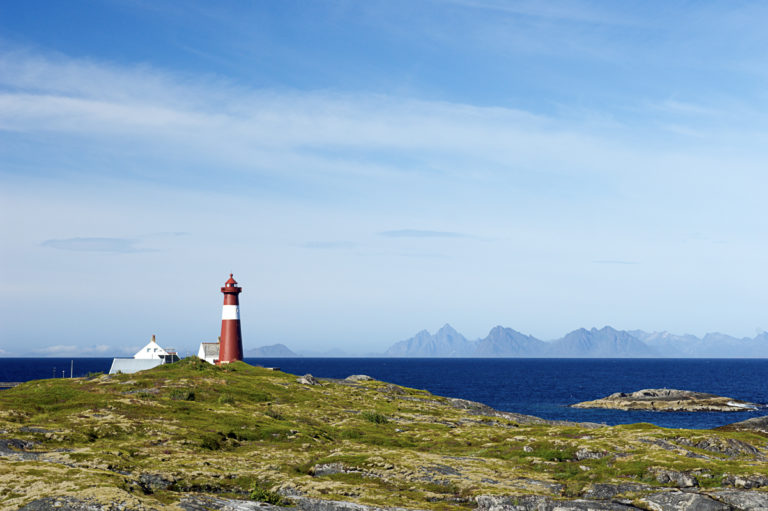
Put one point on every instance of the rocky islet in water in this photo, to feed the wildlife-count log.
(669, 400)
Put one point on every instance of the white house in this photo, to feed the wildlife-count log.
(151, 355)
(151, 350)
(209, 351)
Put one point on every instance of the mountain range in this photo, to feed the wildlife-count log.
(606, 342)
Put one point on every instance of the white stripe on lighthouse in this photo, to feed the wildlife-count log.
(230, 312)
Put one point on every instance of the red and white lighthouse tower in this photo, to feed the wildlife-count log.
(231, 343)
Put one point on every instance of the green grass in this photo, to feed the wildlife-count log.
(245, 431)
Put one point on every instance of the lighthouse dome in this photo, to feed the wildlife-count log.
(231, 282)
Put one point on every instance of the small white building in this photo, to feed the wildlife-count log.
(209, 351)
(151, 355)
(151, 351)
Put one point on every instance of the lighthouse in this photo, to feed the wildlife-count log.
(231, 343)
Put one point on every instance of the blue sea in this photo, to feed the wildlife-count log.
(540, 387)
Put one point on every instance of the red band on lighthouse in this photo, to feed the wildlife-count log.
(231, 344)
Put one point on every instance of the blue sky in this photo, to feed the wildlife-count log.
(370, 169)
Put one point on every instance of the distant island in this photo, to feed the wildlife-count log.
(669, 400)
(273, 350)
(607, 342)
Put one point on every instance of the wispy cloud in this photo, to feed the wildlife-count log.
(74, 350)
(116, 245)
(330, 245)
(417, 233)
(119, 245)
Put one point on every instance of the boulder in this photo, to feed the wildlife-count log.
(674, 477)
(541, 503)
(682, 501)
(746, 482)
(307, 379)
(585, 454)
(358, 377)
(328, 469)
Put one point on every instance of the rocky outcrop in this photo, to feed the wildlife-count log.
(307, 379)
(743, 500)
(68, 503)
(151, 483)
(682, 501)
(747, 482)
(358, 377)
(607, 491)
(201, 503)
(758, 425)
(669, 400)
(720, 500)
(541, 503)
(675, 478)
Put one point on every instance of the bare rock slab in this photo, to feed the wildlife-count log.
(743, 500)
(540, 503)
(682, 501)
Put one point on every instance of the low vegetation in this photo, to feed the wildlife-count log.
(253, 433)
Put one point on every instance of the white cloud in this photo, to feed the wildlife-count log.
(73, 350)
(270, 131)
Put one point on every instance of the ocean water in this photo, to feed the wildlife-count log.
(540, 387)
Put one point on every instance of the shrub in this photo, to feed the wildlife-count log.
(262, 493)
(375, 417)
(211, 442)
(182, 395)
(226, 400)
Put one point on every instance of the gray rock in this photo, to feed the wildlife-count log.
(728, 446)
(205, 503)
(743, 500)
(75, 504)
(308, 504)
(358, 377)
(16, 448)
(607, 491)
(585, 454)
(673, 477)
(746, 482)
(329, 469)
(757, 424)
(307, 379)
(682, 501)
(150, 483)
(32, 429)
(540, 503)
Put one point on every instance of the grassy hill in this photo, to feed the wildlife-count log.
(150, 438)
